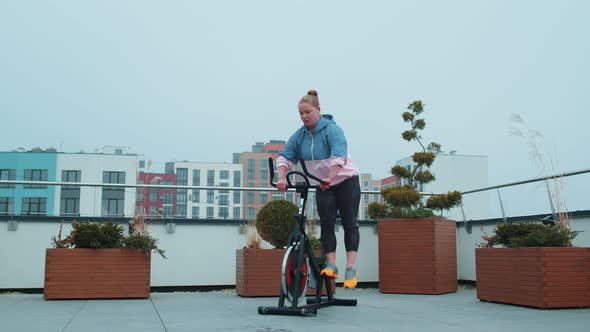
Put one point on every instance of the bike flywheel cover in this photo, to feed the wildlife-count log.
(289, 272)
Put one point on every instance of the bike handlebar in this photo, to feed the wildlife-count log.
(305, 175)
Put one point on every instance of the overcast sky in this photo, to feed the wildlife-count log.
(200, 80)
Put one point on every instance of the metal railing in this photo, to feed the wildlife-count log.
(518, 183)
(11, 185)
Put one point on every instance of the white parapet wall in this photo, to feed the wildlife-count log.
(205, 254)
(197, 254)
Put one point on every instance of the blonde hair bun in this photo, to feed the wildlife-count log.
(311, 97)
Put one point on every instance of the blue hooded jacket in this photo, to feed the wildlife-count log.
(321, 149)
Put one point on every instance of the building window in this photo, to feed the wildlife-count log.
(237, 197)
(196, 195)
(112, 207)
(263, 170)
(113, 198)
(69, 206)
(250, 195)
(113, 177)
(167, 198)
(224, 195)
(167, 211)
(289, 196)
(237, 213)
(237, 179)
(182, 174)
(209, 212)
(195, 212)
(71, 176)
(6, 205)
(366, 198)
(153, 210)
(35, 175)
(181, 211)
(153, 194)
(223, 212)
(263, 195)
(196, 177)
(250, 213)
(8, 175)
(277, 195)
(34, 205)
(250, 169)
(210, 177)
(70, 195)
(181, 196)
(210, 196)
(224, 175)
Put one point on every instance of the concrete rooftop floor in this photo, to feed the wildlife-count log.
(226, 311)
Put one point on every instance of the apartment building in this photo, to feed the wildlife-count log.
(257, 175)
(461, 173)
(103, 168)
(367, 183)
(50, 165)
(33, 165)
(156, 202)
(209, 203)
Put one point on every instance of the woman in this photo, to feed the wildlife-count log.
(321, 144)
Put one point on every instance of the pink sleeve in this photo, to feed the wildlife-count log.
(340, 161)
(282, 161)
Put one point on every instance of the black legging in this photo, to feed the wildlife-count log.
(344, 197)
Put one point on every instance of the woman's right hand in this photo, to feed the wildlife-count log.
(282, 185)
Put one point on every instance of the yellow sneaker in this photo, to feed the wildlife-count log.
(350, 277)
(330, 270)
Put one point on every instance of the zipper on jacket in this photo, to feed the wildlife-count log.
(311, 135)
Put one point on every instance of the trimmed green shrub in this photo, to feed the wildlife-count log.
(529, 235)
(104, 236)
(275, 222)
(143, 242)
(96, 235)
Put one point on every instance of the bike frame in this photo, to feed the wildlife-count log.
(299, 238)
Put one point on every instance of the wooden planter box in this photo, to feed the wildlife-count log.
(96, 274)
(540, 277)
(417, 256)
(258, 273)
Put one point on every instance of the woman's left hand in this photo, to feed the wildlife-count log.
(325, 186)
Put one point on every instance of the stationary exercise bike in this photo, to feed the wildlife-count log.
(300, 267)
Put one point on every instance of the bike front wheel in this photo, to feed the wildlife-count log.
(290, 271)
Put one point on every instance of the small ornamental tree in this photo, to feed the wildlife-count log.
(405, 200)
(275, 222)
